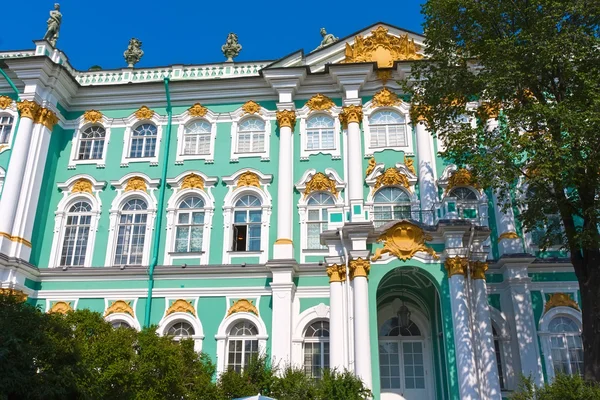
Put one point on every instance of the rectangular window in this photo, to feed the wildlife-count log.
(388, 136)
(130, 239)
(320, 139)
(247, 230)
(317, 223)
(6, 123)
(196, 145)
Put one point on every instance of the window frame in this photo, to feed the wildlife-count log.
(184, 122)
(403, 110)
(247, 210)
(264, 155)
(303, 116)
(321, 341)
(169, 320)
(391, 204)
(128, 136)
(8, 112)
(76, 143)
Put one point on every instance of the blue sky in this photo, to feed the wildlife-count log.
(96, 32)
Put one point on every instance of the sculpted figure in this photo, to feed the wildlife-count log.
(134, 52)
(328, 39)
(231, 48)
(53, 22)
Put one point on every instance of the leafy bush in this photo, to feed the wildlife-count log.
(294, 384)
(564, 387)
(342, 385)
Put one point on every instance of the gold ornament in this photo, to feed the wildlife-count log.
(251, 107)
(181, 305)
(284, 241)
(320, 102)
(144, 113)
(16, 239)
(192, 181)
(418, 112)
(359, 267)
(248, 178)
(242, 305)
(560, 300)
(371, 166)
(28, 109)
(455, 265)
(286, 118)
(21, 296)
(382, 48)
(135, 183)
(507, 235)
(92, 116)
(82, 185)
(384, 75)
(5, 102)
(3, 146)
(385, 98)
(46, 117)
(461, 177)
(478, 269)
(403, 240)
(119, 306)
(197, 110)
(336, 273)
(391, 177)
(61, 307)
(489, 110)
(320, 183)
(350, 114)
(409, 163)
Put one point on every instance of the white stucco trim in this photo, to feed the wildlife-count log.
(128, 319)
(170, 320)
(237, 117)
(302, 115)
(82, 125)
(132, 124)
(320, 312)
(404, 110)
(184, 119)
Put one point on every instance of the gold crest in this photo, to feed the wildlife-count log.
(242, 305)
(248, 178)
(144, 113)
(135, 183)
(560, 300)
(82, 185)
(197, 110)
(5, 102)
(92, 116)
(320, 102)
(251, 107)
(385, 98)
(382, 48)
(119, 306)
(461, 177)
(61, 307)
(192, 181)
(391, 177)
(403, 240)
(320, 182)
(181, 305)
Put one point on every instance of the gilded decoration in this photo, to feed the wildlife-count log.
(409, 163)
(28, 109)
(336, 273)
(384, 75)
(46, 117)
(16, 239)
(455, 265)
(320, 102)
(181, 305)
(192, 181)
(135, 183)
(3, 146)
(144, 113)
(21, 296)
(5, 102)
(251, 107)
(61, 307)
(284, 241)
(489, 110)
(92, 116)
(478, 269)
(391, 177)
(385, 98)
(350, 114)
(242, 305)
(320, 183)
(248, 178)
(508, 235)
(197, 110)
(403, 240)
(286, 118)
(418, 112)
(461, 177)
(560, 300)
(119, 306)
(371, 166)
(382, 48)
(82, 185)
(359, 268)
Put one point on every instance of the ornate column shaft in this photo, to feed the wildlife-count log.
(283, 289)
(463, 335)
(351, 118)
(337, 275)
(284, 248)
(359, 272)
(427, 191)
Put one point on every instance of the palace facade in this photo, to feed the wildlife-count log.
(288, 207)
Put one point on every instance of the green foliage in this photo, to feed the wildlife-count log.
(257, 377)
(294, 384)
(564, 387)
(342, 385)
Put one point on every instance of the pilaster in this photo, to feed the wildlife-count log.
(283, 289)
(427, 188)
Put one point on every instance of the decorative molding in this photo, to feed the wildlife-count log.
(136, 183)
(320, 102)
(336, 273)
(382, 48)
(197, 110)
(350, 114)
(20, 295)
(384, 75)
(16, 239)
(46, 117)
(418, 112)
(403, 240)
(455, 265)
(28, 109)
(181, 305)
(385, 98)
(409, 163)
(560, 300)
(61, 307)
(248, 178)
(5, 102)
(286, 118)
(371, 166)
(390, 177)
(144, 113)
(192, 181)
(461, 177)
(320, 182)
(251, 107)
(120, 306)
(92, 116)
(242, 305)
(359, 267)
(508, 235)
(478, 269)
(82, 185)
(284, 241)
(489, 110)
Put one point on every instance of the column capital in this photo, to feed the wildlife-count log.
(28, 109)
(351, 113)
(47, 118)
(478, 269)
(359, 267)
(336, 273)
(455, 265)
(286, 118)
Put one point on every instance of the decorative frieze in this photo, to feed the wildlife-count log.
(5, 102)
(382, 48)
(461, 177)
(21, 296)
(248, 178)
(82, 185)
(391, 177)
(508, 235)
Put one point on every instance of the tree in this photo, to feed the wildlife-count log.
(538, 63)
(563, 387)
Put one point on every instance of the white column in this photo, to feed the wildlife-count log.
(337, 275)
(15, 171)
(508, 240)
(281, 339)
(359, 271)
(427, 191)
(351, 117)
(284, 248)
(483, 321)
(463, 335)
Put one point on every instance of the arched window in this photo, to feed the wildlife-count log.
(316, 349)
(181, 330)
(143, 141)
(387, 129)
(91, 143)
(131, 233)
(499, 357)
(116, 324)
(566, 348)
(390, 203)
(466, 202)
(197, 138)
(247, 224)
(242, 345)
(77, 231)
(251, 136)
(320, 133)
(317, 209)
(6, 125)
(190, 225)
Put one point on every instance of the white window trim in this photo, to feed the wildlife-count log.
(185, 119)
(62, 210)
(320, 312)
(482, 203)
(231, 198)
(11, 110)
(544, 333)
(167, 321)
(239, 115)
(115, 211)
(340, 185)
(404, 110)
(303, 114)
(132, 123)
(76, 141)
(209, 210)
(124, 317)
(223, 334)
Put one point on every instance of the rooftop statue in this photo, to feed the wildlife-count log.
(231, 48)
(53, 25)
(134, 52)
(328, 39)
